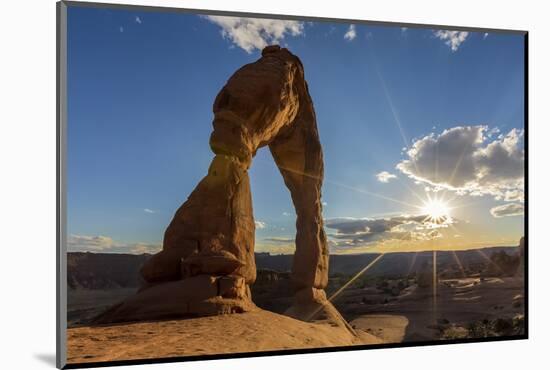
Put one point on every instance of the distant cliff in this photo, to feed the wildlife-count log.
(104, 270)
(110, 271)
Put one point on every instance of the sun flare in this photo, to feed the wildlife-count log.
(436, 209)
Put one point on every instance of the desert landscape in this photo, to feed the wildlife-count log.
(268, 198)
(390, 303)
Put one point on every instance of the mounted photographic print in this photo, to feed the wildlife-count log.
(251, 184)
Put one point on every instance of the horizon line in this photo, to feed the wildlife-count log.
(330, 254)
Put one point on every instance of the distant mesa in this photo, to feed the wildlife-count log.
(86, 271)
(207, 262)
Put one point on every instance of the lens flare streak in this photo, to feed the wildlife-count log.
(457, 260)
(350, 281)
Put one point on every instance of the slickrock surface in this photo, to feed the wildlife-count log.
(236, 333)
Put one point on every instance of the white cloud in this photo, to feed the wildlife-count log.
(511, 209)
(138, 20)
(147, 210)
(513, 196)
(105, 244)
(324, 204)
(287, 214)
(91, 243)
(140, 248)
(260, 224)
(466, 160)
(385, 176)
(252, 33)
(275, 248)
(453, 39)
(351, 33)
(360, 232)
(281, 240)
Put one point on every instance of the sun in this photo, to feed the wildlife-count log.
(437, 210)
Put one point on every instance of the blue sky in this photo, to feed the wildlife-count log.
(140, 91)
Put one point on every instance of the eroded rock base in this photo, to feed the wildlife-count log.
(312, 305)
(201, 295)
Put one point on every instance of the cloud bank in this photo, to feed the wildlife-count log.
(469, 160)
(252, 33)
(453, 39)
(506, 210)
(105, 244)
(279, 240)
(361, 232)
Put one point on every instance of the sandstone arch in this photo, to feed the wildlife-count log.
(263, 103)
(208, 247)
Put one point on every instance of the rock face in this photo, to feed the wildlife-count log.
(87, 270)
(211, 236)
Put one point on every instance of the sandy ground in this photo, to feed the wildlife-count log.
(248, 332)
(460, 301)
(411, 316)
(389, 328)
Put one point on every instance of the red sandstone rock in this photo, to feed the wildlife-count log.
(264, 103)
(214, 263)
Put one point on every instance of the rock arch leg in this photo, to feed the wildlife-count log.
(213, 231)
(299, 156)
(207, 261)
(300, 161)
